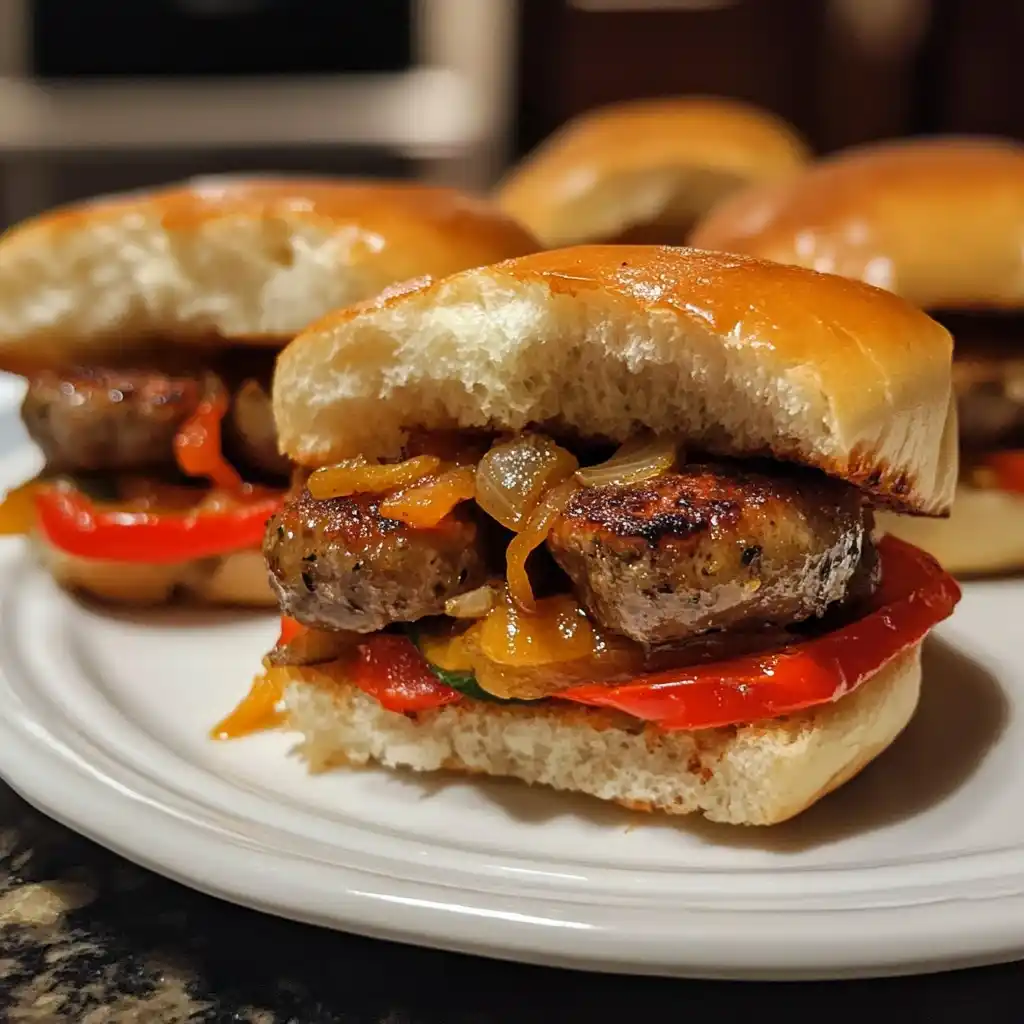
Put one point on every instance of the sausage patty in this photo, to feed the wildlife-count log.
(340, 564)
(113, 419)
(714, 547)
(990, 401)
(99, 419)
(988, 377)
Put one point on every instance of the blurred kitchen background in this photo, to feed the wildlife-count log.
(101, 95)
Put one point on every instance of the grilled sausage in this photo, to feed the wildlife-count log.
(713, 547)
(339, 564)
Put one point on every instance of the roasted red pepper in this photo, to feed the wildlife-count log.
(72, 522)
(197, 445)
(1008, 470)
(391, 669)
(916, 593)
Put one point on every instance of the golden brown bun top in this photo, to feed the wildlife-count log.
(734, 355)
(230, 260)
(939, 221)
(660, 162)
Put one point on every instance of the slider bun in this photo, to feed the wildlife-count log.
(237, 579)
(983, 535)
(939, 221)
(733, 355)
(653, 164)
(757, 774)
(249, 260)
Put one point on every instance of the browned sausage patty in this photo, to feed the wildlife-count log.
(100, 419)
(105, 419)
(713, 547)
(339, 564)
(990, 402)
(988, 377)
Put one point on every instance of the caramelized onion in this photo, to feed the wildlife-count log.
(533, 534)
(512, 477)
(424, 505)
(260, 709)
(473, 605)
(558, 630)
(314, 647)
(547, 653)
(640, 458)
(18, 509)
(354, 476)
(534, 682)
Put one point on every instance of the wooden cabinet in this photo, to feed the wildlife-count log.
(575, 56)
(842, 71)
(977, 67)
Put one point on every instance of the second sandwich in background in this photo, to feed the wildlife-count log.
(147, 326)
(644, 171)
(940, 222)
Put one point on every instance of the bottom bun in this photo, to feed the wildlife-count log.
(236, 579)
(757, 774)
(983, 535)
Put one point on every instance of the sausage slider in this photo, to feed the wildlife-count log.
(602, 519)
(147, 326)
(939, 221)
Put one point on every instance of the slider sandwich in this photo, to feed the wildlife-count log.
(644, 171)
(602, 519)
(940, 222)
(147, 326)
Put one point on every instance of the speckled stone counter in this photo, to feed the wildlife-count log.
(87, 937)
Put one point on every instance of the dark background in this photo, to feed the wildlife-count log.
(842, 71)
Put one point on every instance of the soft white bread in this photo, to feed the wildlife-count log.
(733, 355)
(756, 774)
(655, 165)
(246, 260)
(938, 221)
(238, 579)
(984, 533)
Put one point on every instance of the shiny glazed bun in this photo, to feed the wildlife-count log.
(247, 260)
(938, 221)
(734, 355)
(655, 165)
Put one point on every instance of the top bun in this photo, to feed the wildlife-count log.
(939, 221)
(216, 261)
(734, 355)
(656, 165)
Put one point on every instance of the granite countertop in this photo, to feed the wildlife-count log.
(88, 937)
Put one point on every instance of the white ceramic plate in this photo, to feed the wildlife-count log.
(917, 865)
